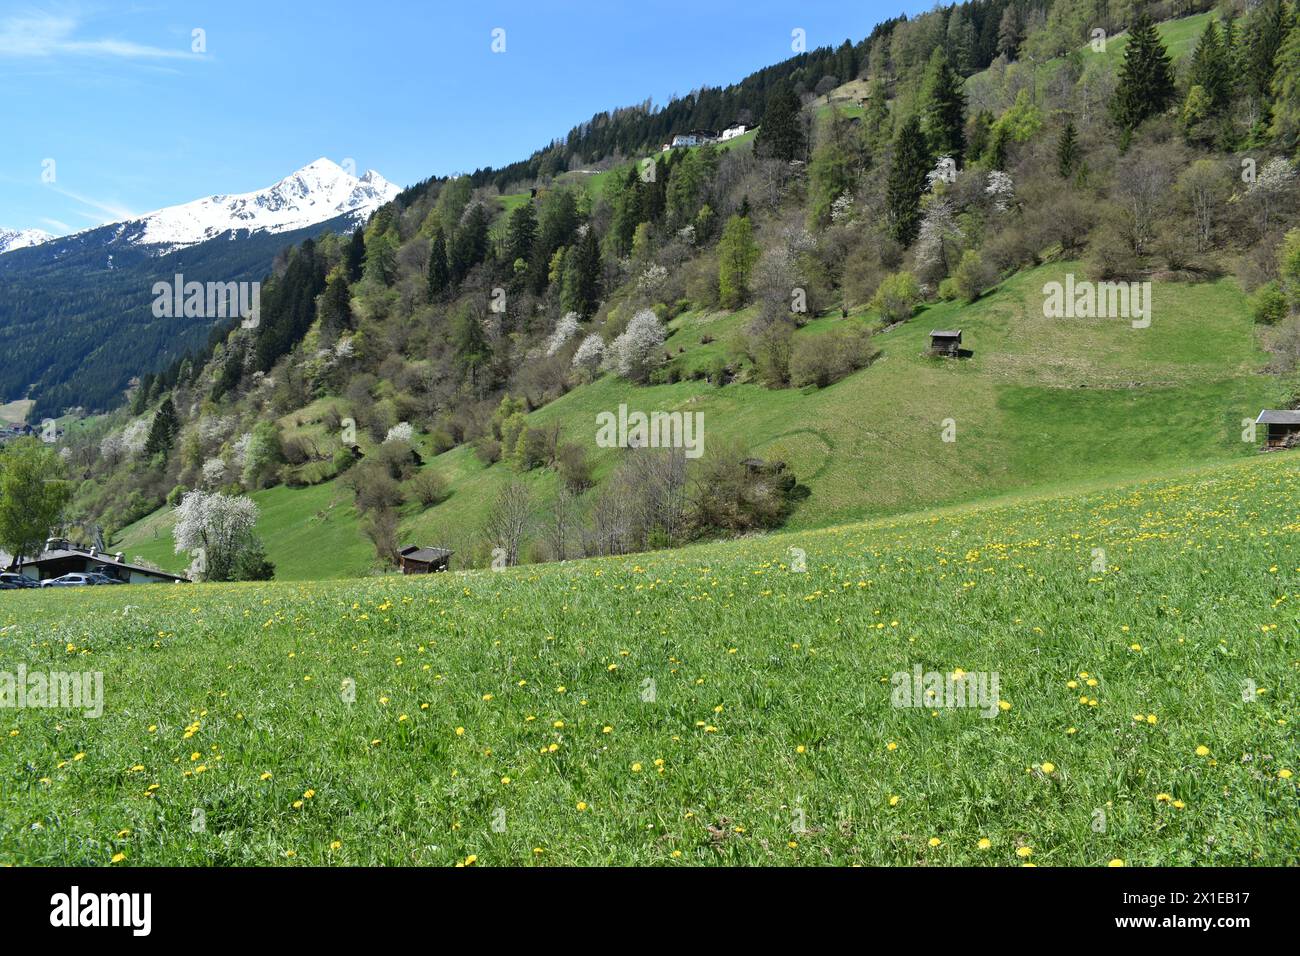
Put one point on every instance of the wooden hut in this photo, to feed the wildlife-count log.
(945, 342)
(1281, 428)
(414, 559)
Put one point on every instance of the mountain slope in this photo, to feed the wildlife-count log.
(76, 312)
(1041, 403)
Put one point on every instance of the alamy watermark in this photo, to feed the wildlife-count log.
(1098, 300)
(656, 430)
(934, 690)
(212, 300)
(53, 690)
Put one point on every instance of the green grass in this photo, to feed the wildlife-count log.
(16, 412)
(1179, 36)
(765, 693)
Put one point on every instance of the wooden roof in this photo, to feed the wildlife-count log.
(416, 553)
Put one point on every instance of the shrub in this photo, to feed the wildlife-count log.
(488, 450)
(972, 276)
(897, 297)
(428, 488)
(574, 467)
(823, 360)
(1268, 304)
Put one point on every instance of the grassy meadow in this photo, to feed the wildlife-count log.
(711, 705)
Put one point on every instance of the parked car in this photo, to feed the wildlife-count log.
(7, 586)
(13, 580)
(70, 581)
(101, 578)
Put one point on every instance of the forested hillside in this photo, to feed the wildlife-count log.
(436, 376)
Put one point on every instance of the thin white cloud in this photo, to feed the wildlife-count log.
(40, 35)
(107, 210)
(58, 224)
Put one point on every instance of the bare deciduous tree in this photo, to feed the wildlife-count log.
(510, 519)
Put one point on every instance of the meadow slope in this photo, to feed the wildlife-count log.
(1041, 403)
(708, 705)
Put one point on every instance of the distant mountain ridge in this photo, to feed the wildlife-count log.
(75, 311)
(11, 239)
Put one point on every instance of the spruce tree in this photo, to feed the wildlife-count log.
(944, 109)
(907, 180)
(438, 274)
(1146, 81)
(781, 133)
(471, 346)
(1209, 68)
(1266, 30)
(1286, 93)
(581, 291)
(356, 255)
(1067, 150)
(521, 233)
(469, 246)
(162, 433)
(335, 308)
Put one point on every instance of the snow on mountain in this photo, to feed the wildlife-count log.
(11, 239)
(319, 191)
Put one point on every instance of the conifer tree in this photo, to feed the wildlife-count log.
(521, 233)
(781, 133)
(907, 181)
(1146, 82)
(1286, 93)
(162, 433)
(356, 255)
(581, 291)
(438, 274)
(944, 110)
(1067, 150)
(1209, 68)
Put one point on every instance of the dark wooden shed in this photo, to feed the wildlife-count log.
(413, 559)
(945, 342)
(1281, 427)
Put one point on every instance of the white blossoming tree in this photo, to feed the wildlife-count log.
(1001, 188)
(590, 355)
(214, 472)
(565, 329)
(636, 352)
(136, 435)
(217, 530)
(402, 431)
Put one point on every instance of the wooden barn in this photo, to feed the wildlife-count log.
(414, 559)
(945, 342)
(1281, 428)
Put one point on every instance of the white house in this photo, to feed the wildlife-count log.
(731, 132)
(684, 139)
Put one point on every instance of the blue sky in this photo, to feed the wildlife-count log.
(134, 119)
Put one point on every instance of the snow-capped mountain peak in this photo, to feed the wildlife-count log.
(11, 239)
(319, 191)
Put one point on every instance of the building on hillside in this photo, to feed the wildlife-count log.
(414, 559)
(696, 137)
(946, 343)
(731, 132)
(1281, 428)
(60, 558)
